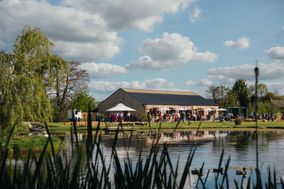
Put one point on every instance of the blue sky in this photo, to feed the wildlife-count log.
(158, 44)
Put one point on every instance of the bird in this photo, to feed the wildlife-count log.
(241, 172)
(218, 170)
(197, 172)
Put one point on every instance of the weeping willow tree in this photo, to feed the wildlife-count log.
(9, 102)
(24, 79)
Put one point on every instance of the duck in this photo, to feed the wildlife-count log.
(218, 170)
(197, 172)
(241, 172)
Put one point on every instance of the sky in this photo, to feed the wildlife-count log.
(158, 44)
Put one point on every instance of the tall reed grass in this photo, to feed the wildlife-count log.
(155, 170)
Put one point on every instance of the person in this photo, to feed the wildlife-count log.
(149, 116)
(182, 116)
(194, 116)
(121, 116)
(116, 117)
(187, 116)
(128, 116)
(111, 117)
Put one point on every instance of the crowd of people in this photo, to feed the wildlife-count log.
(175, 116)
(122, 116)
(183, 116)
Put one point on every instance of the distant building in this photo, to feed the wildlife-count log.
(279, 103)
(160, 101)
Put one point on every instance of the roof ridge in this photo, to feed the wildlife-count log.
(155, 91)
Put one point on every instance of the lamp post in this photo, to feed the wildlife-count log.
(256, 72)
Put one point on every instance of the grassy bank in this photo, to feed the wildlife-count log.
(25, 141)
(34, 143)
(61, 127)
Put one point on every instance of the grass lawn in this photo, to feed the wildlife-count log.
(61, 127)
(25, 143)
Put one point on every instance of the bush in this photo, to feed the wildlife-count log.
(238, 121)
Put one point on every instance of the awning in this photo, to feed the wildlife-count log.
(182, 108)
(164, 109)
(222, 110)
(120, 108)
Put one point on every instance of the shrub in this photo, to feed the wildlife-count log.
(238, 121)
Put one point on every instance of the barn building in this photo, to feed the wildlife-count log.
(156, 102)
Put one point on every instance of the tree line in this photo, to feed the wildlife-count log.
(37, 85)
(242, 95)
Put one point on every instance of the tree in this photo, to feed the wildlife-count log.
(212, 92)
(68, 79)
(262, 93)
(31, 75)
(267, 107)
(9, 113)
(32, 54)
(262, 90)
(231, 99)
(242, 93)
(23, 87)
(82, 101)
(219, 94)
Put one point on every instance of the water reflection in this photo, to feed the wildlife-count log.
(238, 145)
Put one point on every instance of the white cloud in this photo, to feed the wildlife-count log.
(158, 83)
(229, 74)
(206, 82)
(194, 15)
(169, 50)
(275, 52)
(85, 30)
(86, 51)
(102, 70)
(277, 87)
(108, 86)
(76, 34)
(240, 43)
(189, 83)
(125, 14)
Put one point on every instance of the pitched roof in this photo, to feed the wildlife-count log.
(158, 91)
(159, 97)
(278, 103)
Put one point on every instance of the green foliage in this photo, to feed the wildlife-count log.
(238, 121)
(242, 92)
(219, 94)
(10, 111)
(68, 79)
(223, 96)
(241, 95)
(82, 101)
(267, 107)
(34, 143)
(31, 75)
(261, 90)
(32, 52)
(23, 82)
(231, 99)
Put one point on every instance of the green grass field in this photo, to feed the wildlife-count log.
(61, 127)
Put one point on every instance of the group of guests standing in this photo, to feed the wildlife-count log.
(122, 116)
(175, 116)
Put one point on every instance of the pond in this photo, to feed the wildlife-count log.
(240, 146)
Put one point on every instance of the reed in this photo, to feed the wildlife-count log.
(87, 167)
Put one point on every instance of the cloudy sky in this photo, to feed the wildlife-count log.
(158, 44)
